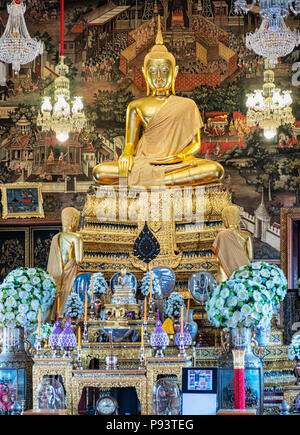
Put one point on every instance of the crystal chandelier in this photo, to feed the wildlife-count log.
(272, 44)
(273, 10)
(270, 107)
(16, 45)
(61, 118)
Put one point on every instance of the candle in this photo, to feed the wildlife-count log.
(111, 343)
(57, 302)
(145, 310)
(92, 287)
(85, 309)
(142, 336)
(79, 337)
(181, 329)
(188, 310)
(150, 285)
(39, 324)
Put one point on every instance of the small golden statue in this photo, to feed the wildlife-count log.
(233, 247)
(164, 154)
(66, 252)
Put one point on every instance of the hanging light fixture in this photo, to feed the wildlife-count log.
(273, 10)
(16, 45)
(270, 107)
(272, 44)
(60, 117)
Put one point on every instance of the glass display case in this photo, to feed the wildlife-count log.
(51, 394)
(166, 399)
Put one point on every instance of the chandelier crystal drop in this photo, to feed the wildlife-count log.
(59, 117)
(16, 45)
(270, 107)
(272, 44)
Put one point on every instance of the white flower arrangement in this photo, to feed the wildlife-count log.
(22, 293)
(145, 287)
(232, 304)
(269, 277)
(247, 298)
(173, 305)
(74, 306)
(294, 348)
(100, 286)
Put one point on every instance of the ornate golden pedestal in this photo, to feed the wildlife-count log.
(51, 367)
(106, 379)
(184, 221)
(127, 375)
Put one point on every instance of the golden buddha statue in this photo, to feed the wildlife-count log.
(233, 247)
(66, 252)
(163, 154)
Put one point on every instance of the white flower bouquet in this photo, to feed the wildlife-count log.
(100, 286)
(173, 305)
(22, 293)
(294, 348)
(233, 303)
(247, 298)
(145, 287)
(269, 277)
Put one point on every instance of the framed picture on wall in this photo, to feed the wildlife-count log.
(22, 201)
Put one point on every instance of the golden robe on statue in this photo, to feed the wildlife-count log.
(63, 274)
(167, 134)
(229, 251)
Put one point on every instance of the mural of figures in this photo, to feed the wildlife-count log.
(104, 58)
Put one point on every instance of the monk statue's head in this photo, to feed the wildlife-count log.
(160, 69)
(231, 216)
(70, 219)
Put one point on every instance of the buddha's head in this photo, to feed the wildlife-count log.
(160, 69)
(70, 219)
(123, 271)
(231, 216)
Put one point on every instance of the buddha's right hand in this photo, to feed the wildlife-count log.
(125, 164)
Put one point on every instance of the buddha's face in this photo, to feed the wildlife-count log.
(159, 74)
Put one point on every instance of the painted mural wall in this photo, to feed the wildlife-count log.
(104, 46)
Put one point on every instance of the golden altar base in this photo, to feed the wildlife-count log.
(142, 380)
(185, 224)
(275, 359)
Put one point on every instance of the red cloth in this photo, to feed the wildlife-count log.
(239, 389)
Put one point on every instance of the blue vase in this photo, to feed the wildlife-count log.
(192, 325)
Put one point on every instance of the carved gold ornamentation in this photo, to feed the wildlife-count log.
(49, 367)
(104, 380)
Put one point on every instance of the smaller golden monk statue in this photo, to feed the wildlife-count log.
(66, 252)
(233, 247)
(162, 133)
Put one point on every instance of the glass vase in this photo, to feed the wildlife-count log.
(16, 366)
(241, 338)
